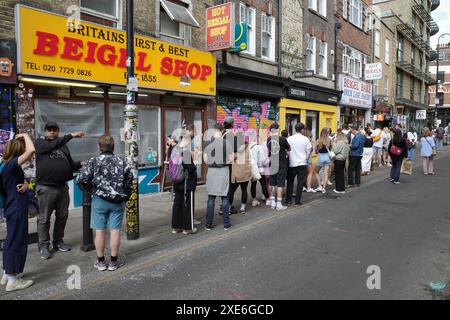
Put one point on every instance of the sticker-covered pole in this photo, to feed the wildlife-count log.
(130, 113)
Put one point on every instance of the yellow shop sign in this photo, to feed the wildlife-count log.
(54, 46)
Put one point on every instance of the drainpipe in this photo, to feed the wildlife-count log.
(280, 26)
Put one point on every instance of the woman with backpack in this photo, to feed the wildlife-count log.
(241, 173)
(13, 188)
(183, 173)
(427, 146)
(397, 151)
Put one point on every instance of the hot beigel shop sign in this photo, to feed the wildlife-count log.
(55, 46)
(220, 27)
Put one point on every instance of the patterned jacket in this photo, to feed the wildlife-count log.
(107, 176)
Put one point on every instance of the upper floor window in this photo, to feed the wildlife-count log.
(414, 21)
(323, 59)
(318, 5)
(345, 8)
(399, 47)
(310, 53)
(355, 12)
(352, 61)
(248, 16)
(174, 21)
(413, 54)
(387, 51)
(377, 43)
(105, 9)
(267, 37)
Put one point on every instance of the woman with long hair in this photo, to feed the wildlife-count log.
(426, 151)
(13, 186)
(310, 169)
(323, 146)
(397, 151)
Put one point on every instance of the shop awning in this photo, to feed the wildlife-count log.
(179, 13)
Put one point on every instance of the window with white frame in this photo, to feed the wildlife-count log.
(323, 59)
(346, 60)
(106, 9)
(367, 19)
(267, 37)
(387, 50)
(318, 5)
(310, 53)
(353, 61)
(377, 43)
(248, 16)
(355, 12)
(345, 9)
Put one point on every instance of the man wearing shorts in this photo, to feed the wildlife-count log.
(278, 148)
(109, 178)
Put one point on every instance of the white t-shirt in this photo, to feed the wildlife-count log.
(300, 145)
(379, 143)
(412, 136)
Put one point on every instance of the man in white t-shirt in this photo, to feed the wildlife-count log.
(411, 145)
(301, 149)
(378, 136)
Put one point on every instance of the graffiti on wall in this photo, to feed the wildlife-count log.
(6, 115)
(252, 116)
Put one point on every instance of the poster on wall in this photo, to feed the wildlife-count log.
(8, 69)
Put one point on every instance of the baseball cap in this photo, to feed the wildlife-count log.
(51, 124)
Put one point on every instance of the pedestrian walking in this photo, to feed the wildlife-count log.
(356, 152)
(341, 150)
(13, 188)
(241, 174)
(301, 148)
(378, 136)
(183, 167)
(54, 167)
(218, 156)
(261, 159)
(110, 181)
(411, 141)
(279, 148)
(439, 138)
(427, 146)
(397, 151)
(366, 161)
(386, 140)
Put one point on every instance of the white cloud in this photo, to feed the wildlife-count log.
(442, 17)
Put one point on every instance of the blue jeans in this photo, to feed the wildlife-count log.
(439, 144)
(395, 169)
(411, 154)
(225, 211)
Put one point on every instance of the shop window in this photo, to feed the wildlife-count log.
(172, 123)
(73, 116)
(149, 130)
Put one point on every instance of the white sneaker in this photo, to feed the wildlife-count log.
(273, 205)
(190, 231)
(268, 202)
(242, 209)
(281, 207)
(311, 190)
(197, 222)
(255, 203)
(329, 183)
(4, 280)
(319, 189)
(19, 285)
(304, 189)
(324, 191)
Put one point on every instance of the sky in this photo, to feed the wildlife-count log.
(442, 17)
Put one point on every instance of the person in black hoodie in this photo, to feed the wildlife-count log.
(54, 167)
(398, 151)
(183, 204)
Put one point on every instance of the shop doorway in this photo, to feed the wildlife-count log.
(293, 117)
(312, 124)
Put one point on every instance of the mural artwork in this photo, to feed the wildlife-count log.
(254, 117)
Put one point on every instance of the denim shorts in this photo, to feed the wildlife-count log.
(323, 159)
(106, 214)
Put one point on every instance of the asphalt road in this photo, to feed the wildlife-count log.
(319, 251)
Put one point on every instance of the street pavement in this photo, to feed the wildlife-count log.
(321, 250)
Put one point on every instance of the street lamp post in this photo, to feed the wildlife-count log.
(436, 100)
(130, 113)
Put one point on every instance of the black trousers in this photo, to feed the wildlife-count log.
(354, 170)
(233, 188)
(300, 173)
(183, 209)
(263, 183)
(339, 174)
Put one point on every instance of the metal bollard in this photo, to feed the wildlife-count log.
(88, 239)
